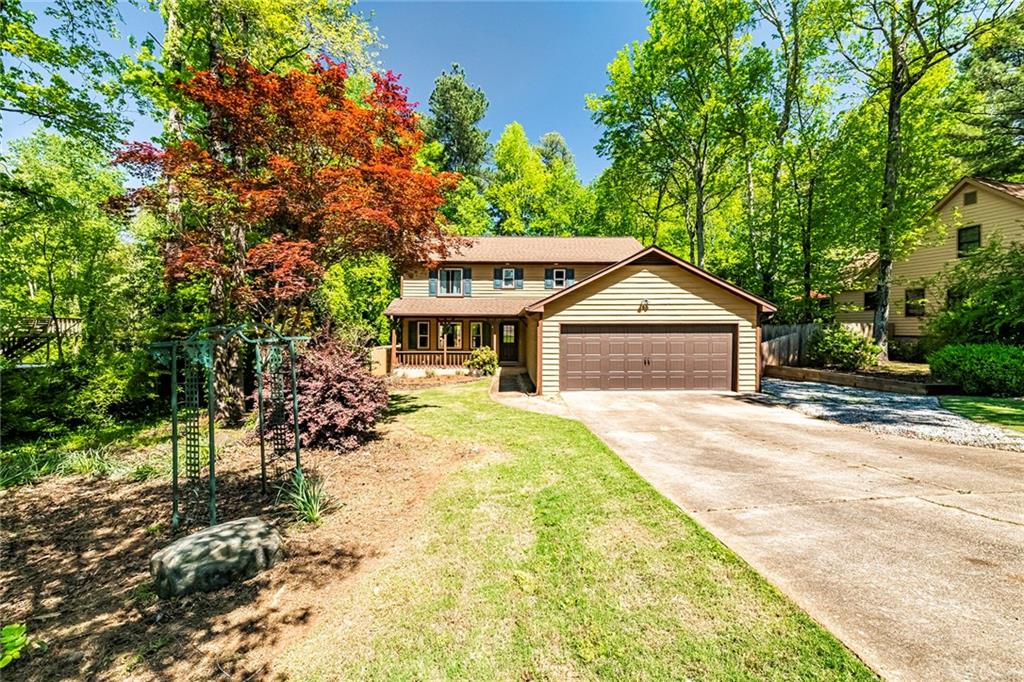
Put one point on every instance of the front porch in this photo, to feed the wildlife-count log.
(447, 343)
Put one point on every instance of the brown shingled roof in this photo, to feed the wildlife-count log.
(1014, 189)
(551, 250)
(490, 306)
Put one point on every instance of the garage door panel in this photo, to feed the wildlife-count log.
(647, 357)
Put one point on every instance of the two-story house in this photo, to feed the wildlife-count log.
(972, 213)
(580, 313)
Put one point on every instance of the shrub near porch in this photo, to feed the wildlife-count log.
(547, 557)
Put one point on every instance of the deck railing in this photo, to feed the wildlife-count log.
(433, 358)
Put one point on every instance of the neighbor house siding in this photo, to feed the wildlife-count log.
(672, 294)
(996, 213)
(415, 284)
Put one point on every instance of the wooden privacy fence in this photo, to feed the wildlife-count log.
(785, 345)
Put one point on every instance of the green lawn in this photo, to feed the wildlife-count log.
(1005, 412)
(548, 558)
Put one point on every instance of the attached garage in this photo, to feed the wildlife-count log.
(647, 357)
(651, 322)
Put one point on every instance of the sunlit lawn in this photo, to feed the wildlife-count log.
(548, 558)
(1005, 412)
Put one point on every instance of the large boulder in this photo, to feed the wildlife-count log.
(214, 557)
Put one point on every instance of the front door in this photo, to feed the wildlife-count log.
(508, 341)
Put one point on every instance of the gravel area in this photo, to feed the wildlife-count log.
(891, 413)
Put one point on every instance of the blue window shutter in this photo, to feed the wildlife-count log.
(497, 278)
(432, 283)
(549, 278)
(570, 277)
(467, 282)
(519, 278)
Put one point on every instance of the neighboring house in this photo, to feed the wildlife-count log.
(973, 212)
(581, 313)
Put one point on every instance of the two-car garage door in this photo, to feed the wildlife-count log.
(647, 357)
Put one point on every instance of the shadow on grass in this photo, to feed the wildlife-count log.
(402, 404)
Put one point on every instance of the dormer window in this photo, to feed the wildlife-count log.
(558, 277)
(508, 278)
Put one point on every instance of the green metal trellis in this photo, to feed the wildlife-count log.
(198, 352)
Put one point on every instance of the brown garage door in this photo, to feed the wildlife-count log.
(647, 357)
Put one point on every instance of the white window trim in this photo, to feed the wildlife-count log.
(421, 334)
(458, 335)
(508, 278)
(458, 279)
(554, 278)
(473, 341)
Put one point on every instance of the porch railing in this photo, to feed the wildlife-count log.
(433, 358)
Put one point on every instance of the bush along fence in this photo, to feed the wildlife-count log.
(786, 345)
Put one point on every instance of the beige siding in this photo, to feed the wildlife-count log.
(672, 295)
(416, 282)
(530, 347)
(997, 214)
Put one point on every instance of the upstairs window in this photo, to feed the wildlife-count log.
(968, 239)
(913, 305)
(449, 282)
(559, 277)
(970, 198)
(870, 300)
(508, 278)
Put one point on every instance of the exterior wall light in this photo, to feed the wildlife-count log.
(643, 306)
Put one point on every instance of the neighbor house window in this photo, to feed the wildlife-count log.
(423, 334)
(476, 334)
(450, 335)
(968, 239)
(508, 278)
(449, 282)
(954, 297)
(970, 198)
(913, 305)
(870, 300)
(558, 277)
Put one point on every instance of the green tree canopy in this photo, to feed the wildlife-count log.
(456, 109)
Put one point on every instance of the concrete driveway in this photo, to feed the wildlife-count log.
(911, 552)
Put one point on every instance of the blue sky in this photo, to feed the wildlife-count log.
(537, 61)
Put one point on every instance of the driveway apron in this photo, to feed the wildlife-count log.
(911, 552)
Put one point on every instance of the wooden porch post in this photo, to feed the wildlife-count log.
(394, 346)
(494, 335)
(444, 345)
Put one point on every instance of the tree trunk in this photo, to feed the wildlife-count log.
(805, 250)
(898, 87)
(698, 214)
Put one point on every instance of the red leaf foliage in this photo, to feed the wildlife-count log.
(293, 159)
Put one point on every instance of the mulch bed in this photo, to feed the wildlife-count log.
(75, 555)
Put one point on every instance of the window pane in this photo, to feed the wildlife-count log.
(508, 278)
(508, 333)
(968, 239)
(476, 334)
(914, 305)
(451, 281)
(870, 300)
(559, 277)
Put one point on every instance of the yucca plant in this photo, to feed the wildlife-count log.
(307, 497)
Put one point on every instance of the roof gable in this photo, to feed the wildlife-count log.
(654, 255)
(1007, 190)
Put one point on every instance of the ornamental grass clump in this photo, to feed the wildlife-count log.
(307, 497)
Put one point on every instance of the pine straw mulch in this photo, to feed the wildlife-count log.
(75, 555)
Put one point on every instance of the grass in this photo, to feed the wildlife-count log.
(95, 450)
(1005, 412)
(546, 557)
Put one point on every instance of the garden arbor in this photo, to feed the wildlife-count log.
(276, 396)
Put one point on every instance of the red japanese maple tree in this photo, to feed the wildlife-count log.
(286, 174)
